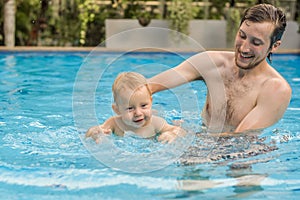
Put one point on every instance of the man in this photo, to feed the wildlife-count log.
(244, 91)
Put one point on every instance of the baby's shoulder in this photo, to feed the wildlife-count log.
(112, 122)
(115, 124)
(158, 122)
(157, 118)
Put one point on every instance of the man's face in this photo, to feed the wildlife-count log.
(252, 44)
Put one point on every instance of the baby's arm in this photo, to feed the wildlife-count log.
(168, 132)
(95, 131)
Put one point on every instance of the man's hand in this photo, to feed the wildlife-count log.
(95, 132)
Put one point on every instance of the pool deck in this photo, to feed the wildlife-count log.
(104, 49)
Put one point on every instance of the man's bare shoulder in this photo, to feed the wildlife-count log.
(275, 82)
(221, 58)
(223, 53)
(278, 87)
(274, 98)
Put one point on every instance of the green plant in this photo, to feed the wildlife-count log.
(180, 12)
(136, 10)
(144, 18)
(26, 19)
(233, 20)
(63, 25)
(88, 10)
(216, 10)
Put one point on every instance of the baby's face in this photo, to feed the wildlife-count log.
(135, 107)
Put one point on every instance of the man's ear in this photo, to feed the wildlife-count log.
(115, 108)
(276, 45)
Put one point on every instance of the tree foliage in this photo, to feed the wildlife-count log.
(180, 13)
(82, 22)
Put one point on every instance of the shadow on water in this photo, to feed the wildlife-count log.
(251, 162)
(212, 148)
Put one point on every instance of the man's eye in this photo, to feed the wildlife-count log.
(242, 35)
(256, 43)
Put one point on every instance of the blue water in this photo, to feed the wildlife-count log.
(49, 99)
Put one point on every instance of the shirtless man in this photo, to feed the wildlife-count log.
(243, 88)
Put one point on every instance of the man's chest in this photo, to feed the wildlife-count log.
(241, 97)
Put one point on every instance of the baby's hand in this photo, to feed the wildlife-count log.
(95, 131)
(178, 122)
(170, 136)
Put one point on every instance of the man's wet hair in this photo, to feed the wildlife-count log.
(267, 13)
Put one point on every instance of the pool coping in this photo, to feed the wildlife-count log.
(104, 49)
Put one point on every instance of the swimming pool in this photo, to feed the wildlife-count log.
(43, 157)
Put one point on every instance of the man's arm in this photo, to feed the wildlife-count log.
(185, 72)
(271, 105)
(173, 77)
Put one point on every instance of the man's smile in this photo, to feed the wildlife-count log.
(246, 55)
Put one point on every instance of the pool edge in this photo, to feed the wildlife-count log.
(104, 49)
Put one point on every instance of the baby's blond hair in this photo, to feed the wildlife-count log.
(129, 80)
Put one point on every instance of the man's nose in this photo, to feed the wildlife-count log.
(245, 46)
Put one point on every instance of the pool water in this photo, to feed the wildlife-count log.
(43, 156)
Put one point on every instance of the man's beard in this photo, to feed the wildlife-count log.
(250, 66)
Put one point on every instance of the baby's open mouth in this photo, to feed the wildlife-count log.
(138, 120)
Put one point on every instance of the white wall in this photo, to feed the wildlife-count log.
(291, 37)
(203, 34)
